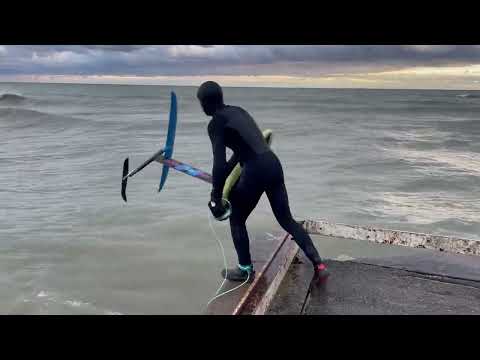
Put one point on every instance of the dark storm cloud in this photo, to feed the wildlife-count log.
(224, 60)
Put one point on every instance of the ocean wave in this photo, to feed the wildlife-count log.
(50, 298)
(11, 98)
(465, 162)
(11, 117)
(427, 207)
(418, 136)
(428, 102)
(427, 182)
(468, 127)
(469, 96)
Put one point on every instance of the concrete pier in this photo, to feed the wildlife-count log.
(271, 260)
(419, 285)
(367, 277)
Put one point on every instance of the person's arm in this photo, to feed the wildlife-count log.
(219, 171)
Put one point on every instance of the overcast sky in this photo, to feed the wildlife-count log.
(364, 66)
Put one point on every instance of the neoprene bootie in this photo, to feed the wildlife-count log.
(321, 274)
(241, 273)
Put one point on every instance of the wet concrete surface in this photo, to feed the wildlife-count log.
(292, 293)
(372, 279)
(265, 286)
(462, 267)
(360, 289)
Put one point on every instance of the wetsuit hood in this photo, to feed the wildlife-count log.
(210, 96)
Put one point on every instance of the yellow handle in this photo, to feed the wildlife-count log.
(237, 170)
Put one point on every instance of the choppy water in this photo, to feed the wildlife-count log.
(399, 159)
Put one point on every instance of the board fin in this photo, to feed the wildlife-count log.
(125, 179)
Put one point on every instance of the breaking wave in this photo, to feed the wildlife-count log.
(469, 96)
(11, 98)
(12, 117)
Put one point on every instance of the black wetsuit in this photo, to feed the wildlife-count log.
(233, 127)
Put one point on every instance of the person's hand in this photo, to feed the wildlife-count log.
(220, 209)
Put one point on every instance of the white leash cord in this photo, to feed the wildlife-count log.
(217, 295)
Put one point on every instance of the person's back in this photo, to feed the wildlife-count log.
(242, 134)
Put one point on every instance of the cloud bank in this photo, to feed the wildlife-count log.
(299, 63)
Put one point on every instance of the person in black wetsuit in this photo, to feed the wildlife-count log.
(233, 127)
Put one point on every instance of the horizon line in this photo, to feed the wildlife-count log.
(230, 86)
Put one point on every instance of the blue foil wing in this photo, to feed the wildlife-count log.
(172, 126)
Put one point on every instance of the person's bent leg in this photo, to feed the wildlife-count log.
(277, 195)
